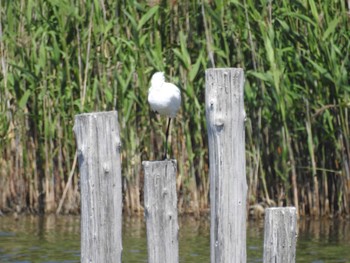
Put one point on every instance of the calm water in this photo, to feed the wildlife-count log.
(57, 239)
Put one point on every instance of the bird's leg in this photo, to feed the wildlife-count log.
(166, 140)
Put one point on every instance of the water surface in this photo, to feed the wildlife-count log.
(57, 239)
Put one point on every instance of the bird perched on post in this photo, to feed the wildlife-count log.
(164, 98)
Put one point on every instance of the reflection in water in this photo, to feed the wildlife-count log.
(40, 239)
(325, 230)
(324, 241)
(57, 239)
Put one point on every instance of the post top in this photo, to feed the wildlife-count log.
(223, 69)
(155, 162)
(87, 114)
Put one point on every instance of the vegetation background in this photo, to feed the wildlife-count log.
(60, 58)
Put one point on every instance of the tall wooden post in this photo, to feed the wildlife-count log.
(225, 115)
(161, 211)
(98, 143)
(280, 235)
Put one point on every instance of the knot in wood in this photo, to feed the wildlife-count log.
(211, 105)
(219, 123)
(165, 191)
(106, 168)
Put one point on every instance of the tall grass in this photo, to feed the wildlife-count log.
(60, 58)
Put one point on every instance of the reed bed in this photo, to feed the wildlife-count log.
(60, 58)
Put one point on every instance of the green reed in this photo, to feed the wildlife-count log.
(61, 58)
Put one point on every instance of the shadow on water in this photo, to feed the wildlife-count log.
(57, 239)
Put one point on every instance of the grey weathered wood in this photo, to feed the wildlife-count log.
(228, 186)
(161, 211)
(280, 235)
(98, 146)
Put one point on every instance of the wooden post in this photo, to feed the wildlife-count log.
(98, 143)
(280, 235)
(161, 211)
(228, 186)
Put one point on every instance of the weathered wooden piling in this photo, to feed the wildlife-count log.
(161, 211)
(98, 146)
(280, 235)
(225, 116)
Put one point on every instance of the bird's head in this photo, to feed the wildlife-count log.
(157, 79)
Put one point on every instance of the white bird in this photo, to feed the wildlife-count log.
(164, 98)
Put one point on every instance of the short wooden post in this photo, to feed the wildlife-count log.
(280, 235)
(161, 211)
(225, 115)
(98, 146)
